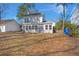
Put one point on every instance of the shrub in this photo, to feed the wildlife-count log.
(58, 25)
(73, 30)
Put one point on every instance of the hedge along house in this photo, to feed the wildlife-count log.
(35, 23)
(9, 25)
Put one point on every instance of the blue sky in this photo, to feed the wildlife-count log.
(50, 11)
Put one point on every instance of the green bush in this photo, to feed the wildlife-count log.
(73, 30)
(58, 25)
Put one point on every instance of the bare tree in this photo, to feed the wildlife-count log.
(64, 15)
(3, 8)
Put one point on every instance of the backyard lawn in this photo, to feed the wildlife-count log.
(18, 43)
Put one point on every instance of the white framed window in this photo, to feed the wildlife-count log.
(32, 27)
(46, 27)
(26, 27)
(36, 27)
(29, 27)
(23, 27)
(50, 27)
(0, 29)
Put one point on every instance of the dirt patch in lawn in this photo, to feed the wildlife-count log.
(18, 43)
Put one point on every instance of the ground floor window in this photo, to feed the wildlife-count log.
(0, 30)
(23, 27)
(46, 27)
(36, 27)
(50, 27)
(29, 27)
(32, 27)
(26, 27)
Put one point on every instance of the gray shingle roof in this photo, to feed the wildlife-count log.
(34, 14)
(2, 22)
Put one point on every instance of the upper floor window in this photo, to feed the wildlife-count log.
(25, 20)
(28, 20)
(38, 19)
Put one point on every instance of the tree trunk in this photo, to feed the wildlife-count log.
(64, 16)
(0, 13)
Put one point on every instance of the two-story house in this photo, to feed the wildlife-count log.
(35, 23)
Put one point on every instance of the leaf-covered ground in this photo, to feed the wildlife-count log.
(18, 43)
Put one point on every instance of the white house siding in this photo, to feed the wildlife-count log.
(32, 19)
(40, 28)
(12, 26)
(36, 20)
(75, 16)
(2, 28)
(48, 30)
(39, 19)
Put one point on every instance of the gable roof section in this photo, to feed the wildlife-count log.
(3, 22)
(34, 14)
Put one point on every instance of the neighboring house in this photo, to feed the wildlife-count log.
(35, 23)
(75, 16)
(9, 25)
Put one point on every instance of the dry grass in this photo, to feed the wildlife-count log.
(18, 43)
